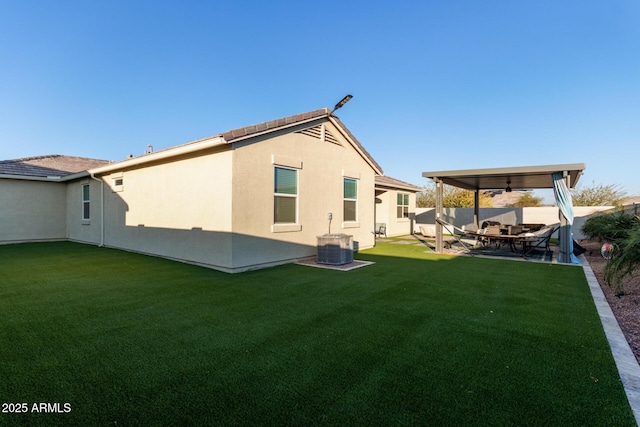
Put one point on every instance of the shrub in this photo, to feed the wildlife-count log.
(623, 230)
(625, 260)
(611, 227)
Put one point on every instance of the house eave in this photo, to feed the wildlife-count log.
(160, 155)
(410, 189)
(278, 129)
(33, 178)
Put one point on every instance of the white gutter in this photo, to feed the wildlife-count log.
(101, 209)
(32, 178)
(191, 147)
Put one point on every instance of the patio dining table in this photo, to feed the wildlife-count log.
(512, 239)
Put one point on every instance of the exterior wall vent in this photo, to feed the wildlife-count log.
(320, 132)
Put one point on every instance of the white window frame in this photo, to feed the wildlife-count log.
(403, 206)
(345, 199)
(86, 213)
(294, 196)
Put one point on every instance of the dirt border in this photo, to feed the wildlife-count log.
(627, 307)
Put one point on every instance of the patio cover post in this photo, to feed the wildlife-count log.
(476, 209)
(565, 231)
(439, 210)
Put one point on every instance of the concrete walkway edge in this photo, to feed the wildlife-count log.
(627, 365)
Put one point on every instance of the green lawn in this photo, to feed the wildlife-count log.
(416, 338)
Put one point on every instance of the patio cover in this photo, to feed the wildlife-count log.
(517, 178)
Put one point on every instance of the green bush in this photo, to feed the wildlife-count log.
(610, 227)
(625, 260)
(623, 230)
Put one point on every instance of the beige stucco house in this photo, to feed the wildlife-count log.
(245, 199)
(395, 205)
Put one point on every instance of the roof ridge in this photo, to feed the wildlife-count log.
(51, 156)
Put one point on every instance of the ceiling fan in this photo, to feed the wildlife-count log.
(509, 189)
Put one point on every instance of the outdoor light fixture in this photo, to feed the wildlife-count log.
(341, 103)
(508, 189)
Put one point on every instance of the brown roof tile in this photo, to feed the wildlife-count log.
(229, 136)
(50, 165)
(387, 181)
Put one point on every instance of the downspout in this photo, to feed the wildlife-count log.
(101, 208)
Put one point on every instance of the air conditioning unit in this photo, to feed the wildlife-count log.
(335, 249)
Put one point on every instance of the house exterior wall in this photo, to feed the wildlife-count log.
(212, 206)
(178, 209)
(387, 212)
(31, 211)
(77, 228)
(322, 167)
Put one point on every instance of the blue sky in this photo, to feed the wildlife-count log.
(437, 85)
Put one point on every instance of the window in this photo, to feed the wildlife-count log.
(403, 205)
(85, 202)
(285, 203)
(350, 211)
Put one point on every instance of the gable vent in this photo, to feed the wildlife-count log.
(316, 132)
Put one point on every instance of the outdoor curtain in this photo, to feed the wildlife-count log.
(565, 204)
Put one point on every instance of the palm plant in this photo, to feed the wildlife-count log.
(625, 260)
(623, 230)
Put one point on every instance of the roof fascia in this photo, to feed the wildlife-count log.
(410, 188)
(356, 146)
(160, 155)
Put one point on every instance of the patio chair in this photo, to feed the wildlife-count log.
(381, 229)
(492, 230)
(458, 235)
(537, 240)
(429, 232)
(514, 230)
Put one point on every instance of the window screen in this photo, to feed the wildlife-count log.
(86, 209)
(285, 196)
(350, 204)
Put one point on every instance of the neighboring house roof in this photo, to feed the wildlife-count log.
(631, 200)
(502, 199)
(244, 133)
(388, 182)
(53, 165)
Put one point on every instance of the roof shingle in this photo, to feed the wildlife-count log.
(387, 181)
(49, 165)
